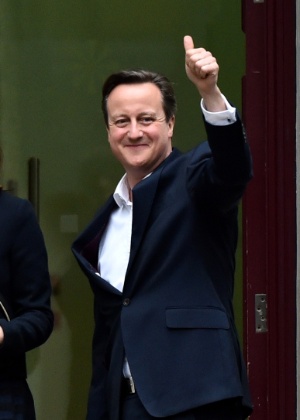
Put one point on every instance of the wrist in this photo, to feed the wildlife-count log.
(213, 101)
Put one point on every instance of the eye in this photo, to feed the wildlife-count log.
(121, 122)
(146, 120)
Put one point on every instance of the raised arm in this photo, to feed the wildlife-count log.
(202, 69)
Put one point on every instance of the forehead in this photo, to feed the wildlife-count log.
(135, 97)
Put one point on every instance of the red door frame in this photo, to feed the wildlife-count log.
(269, 225)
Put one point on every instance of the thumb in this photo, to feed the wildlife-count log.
(188, 42)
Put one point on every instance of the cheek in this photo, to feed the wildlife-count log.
(157, 134)
(112, 142)
(113, 138)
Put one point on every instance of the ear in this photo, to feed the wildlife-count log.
(171, 124)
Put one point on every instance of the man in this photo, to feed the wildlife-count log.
(160, 256)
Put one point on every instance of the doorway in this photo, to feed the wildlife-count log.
(269, 206)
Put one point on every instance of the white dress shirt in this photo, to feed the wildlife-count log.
(115, 243)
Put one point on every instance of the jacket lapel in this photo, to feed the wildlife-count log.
(86, 246)
(143, 198)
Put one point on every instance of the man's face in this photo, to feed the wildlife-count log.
(138, 133)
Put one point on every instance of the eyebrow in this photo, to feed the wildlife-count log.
(141, 114)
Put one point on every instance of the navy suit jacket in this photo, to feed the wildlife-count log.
(25, 287)
(174, 319)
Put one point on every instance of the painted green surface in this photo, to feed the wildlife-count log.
(55, 56)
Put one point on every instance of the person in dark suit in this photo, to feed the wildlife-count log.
(160, 256)
(26, 319)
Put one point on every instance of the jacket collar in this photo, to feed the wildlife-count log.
(143, 196)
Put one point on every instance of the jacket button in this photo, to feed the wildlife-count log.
(126, 302)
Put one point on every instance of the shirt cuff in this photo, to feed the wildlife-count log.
(220, 118)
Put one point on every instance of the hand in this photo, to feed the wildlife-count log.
(202, 69)
(1, 335)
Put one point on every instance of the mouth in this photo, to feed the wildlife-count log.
(137, 146)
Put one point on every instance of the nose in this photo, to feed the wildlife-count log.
(134, 131)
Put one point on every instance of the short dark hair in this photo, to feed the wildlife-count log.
(136, 76)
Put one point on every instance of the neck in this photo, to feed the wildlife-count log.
(129, 188)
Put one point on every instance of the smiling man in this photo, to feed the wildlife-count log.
(160, 256)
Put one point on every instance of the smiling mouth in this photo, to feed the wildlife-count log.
(137, 145)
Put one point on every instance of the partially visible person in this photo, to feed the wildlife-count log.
(26, 319)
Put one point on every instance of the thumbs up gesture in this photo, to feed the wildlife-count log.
(202, 69)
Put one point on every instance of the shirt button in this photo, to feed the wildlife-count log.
(126, 302)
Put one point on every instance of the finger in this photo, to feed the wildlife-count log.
(188, 42)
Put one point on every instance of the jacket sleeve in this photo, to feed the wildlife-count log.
(219, 170)
(29, 288)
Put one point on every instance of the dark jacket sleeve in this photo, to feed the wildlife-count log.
(25, 281)
(220, 169)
